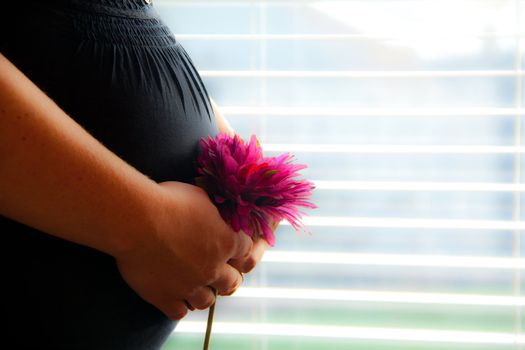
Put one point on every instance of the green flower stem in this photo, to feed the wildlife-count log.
(211, 312)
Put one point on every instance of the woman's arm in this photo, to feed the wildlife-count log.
(57, 178)
(54, 176)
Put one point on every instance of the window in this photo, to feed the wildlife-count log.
(410, 117)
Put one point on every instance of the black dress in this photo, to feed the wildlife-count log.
(115, 68)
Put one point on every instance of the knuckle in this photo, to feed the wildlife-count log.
(249, 264)
(232, 289)
(177, 312)
(236, 264)
(204, 303)
(202, 299)
(210, 275)
(230, 285)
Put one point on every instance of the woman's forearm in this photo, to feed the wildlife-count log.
(57, 178)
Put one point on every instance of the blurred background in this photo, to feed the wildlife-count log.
(409, 115)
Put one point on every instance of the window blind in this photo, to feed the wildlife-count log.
(409, 115)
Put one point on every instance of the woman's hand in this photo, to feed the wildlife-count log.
(247, 263)
(175, 266)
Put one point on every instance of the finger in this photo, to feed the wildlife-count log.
(249, 262)
(243, 245)
(230, 292)
(176, 310)
(229, 279)
(201, 299)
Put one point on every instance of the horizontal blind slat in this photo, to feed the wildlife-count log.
(304, 257)
(377, 296)
(383, 149)
(417, 186)
(289, 74)
(384, 222)
(332, 37)
(369, 112)
(400, 334)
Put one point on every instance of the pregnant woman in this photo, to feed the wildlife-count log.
(105, 242)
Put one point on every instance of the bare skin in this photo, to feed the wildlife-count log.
(248, 263)
(55, 177)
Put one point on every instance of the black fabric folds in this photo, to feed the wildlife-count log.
(116, 69)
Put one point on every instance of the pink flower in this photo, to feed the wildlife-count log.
(252, 191)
